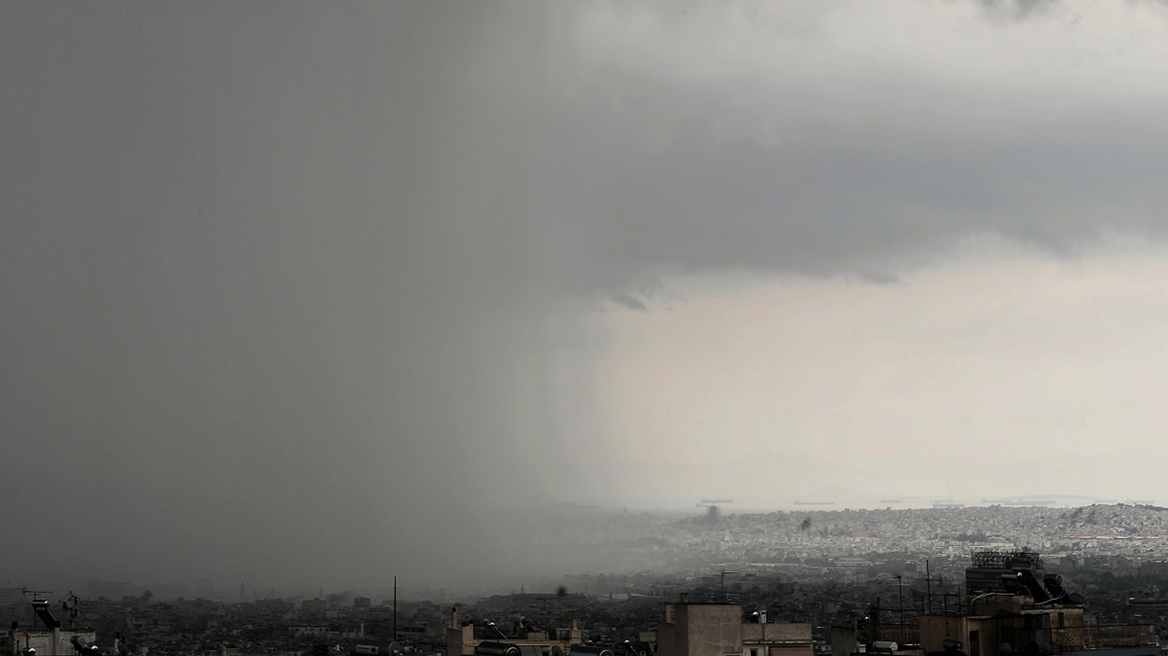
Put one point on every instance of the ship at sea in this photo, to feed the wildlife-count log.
(1019, 501)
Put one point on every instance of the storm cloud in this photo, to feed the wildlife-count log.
(295, 291)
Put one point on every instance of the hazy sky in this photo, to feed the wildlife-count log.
(322, 293)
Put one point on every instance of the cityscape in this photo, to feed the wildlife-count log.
(840, 582)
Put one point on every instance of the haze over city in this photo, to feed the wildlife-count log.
(316, 294)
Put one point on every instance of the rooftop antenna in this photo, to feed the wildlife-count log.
(724, 573)
(900, 604)
(928, 587)
(69, 607)
(927, 599)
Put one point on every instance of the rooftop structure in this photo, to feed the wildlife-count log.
(1014, 607)
(703, 629)
(50, 639)
(525, 640)
(1014, 573)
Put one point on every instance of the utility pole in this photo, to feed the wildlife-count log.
(928, 589)
(900, 604)
(724, 573)
(395, 609)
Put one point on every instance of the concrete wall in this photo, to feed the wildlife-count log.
(779, 639)
(1067, 633)
(46, 643)
(701, 630)
(667, 635)
(936, 629)
(460, 641)
(711, 629)
(790, 650)
(718, 629)
(783, 632)
(1018, 628)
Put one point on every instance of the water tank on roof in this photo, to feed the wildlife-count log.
(496, 649)
(588, 650)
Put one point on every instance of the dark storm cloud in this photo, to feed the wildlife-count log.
(703, 204)
(798, 154)
(282, 282)
(1015, 8)
(266, 286)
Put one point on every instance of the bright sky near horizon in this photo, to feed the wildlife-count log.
(1026, 375)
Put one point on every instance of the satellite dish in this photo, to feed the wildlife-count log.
(1007, 649)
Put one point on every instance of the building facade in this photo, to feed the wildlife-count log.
(697, 629)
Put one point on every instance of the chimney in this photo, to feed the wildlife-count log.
(685, 597)
(454, 617)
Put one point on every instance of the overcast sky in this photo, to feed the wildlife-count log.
(318, 293)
